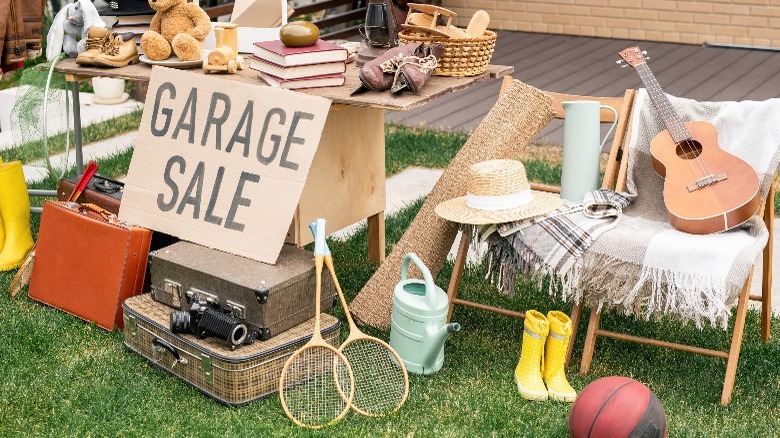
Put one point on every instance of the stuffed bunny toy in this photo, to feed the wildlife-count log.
(75, 35)
(69, 28)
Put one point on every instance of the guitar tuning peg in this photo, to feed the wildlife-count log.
(619, 61)
(647, 58)
(624, 66)
(644, 52)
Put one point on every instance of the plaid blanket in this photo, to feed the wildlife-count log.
(552, 244)
(643, 266)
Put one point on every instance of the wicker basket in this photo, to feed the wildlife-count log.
(462, 56)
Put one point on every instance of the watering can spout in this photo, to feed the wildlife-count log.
(436, 340)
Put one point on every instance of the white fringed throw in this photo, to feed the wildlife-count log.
(643, 266)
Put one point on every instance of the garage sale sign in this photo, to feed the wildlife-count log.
(221, 163)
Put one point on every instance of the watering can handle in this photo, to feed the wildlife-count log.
(430, 287)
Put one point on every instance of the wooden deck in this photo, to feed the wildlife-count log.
(584, 65)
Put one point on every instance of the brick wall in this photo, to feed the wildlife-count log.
(752, 22)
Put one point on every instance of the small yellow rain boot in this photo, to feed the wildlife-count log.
(2, 226)
(528, 373)
(554, 365)
(15, 210)
(2, 232)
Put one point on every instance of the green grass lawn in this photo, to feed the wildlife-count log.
(64, 377)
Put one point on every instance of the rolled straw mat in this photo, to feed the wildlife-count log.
(519, 115)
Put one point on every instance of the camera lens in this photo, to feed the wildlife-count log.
(180, 321)
(223, 326)
(238, 335)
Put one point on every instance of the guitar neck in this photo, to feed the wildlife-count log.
(673, 123)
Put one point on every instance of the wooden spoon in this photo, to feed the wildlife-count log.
(478, 24)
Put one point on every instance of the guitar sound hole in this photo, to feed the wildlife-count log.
(689, 149)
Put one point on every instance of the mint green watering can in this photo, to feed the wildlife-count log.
(419, 320)
(582, 146)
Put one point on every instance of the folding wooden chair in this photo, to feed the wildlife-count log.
(615, 168)
(732, 355)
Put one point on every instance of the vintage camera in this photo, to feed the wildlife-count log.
(202, 321)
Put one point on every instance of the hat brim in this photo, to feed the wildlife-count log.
(456, 210)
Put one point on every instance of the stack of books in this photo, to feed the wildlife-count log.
(137, 24)
(320, 65)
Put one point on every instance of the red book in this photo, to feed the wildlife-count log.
(279, 54)
(296, 71)
(332, 80)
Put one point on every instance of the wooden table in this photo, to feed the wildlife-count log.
(346, 181)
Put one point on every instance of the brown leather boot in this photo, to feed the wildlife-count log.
(371, 75)
(96, 38)
(415, 71)
(118, 51)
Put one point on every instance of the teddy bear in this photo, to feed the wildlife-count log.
(177, 26)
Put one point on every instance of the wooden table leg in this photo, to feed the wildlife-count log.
(376, 238)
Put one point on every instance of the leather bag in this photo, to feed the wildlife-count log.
(87, 262)
(12, 41)
(102, 191)
(33, 25)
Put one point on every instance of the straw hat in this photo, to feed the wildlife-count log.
(497, 191)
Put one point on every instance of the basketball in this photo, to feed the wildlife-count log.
(617, 407)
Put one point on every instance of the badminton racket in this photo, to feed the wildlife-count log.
(381, 381)
(317, 385)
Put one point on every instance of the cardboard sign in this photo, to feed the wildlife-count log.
(258, 13)
(221, 163)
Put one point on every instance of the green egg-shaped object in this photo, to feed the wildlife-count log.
(299, 34)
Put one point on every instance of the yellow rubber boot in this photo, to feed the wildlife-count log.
(555, 357)
(2, 226)
(2, 231)
(528, 373)
(15, 210)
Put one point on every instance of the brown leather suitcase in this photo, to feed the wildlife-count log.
(268, 298)
(100, 190)
(107, 193)
(87, 262)
(231, 376)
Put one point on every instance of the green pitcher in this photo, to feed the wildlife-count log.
(582, 147)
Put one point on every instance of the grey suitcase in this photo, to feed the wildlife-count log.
(269, 299)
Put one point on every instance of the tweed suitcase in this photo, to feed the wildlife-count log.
(230, 376)
(269, 299)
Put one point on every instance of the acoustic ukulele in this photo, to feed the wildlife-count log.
(706, 189)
